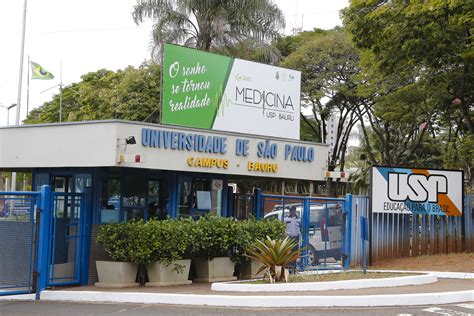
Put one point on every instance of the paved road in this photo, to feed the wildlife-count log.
(72, 309)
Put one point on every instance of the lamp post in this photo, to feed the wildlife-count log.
(8, 111)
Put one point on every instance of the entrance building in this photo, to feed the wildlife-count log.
(136, 170)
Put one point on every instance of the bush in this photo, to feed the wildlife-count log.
(214, 236)
(125, 242)
(170, 239)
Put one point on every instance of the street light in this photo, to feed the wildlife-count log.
(8, 111)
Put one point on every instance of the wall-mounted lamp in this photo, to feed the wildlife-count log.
(130, 140)
(126, 141)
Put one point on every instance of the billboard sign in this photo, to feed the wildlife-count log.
(217, 92)
(417, 191)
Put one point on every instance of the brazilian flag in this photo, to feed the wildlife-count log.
(38, 72)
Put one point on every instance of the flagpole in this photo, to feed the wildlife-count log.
(20, 79)
(60, 91)
(28, 87)
(22, 55)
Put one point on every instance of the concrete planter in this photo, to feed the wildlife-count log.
(216, 270)
(249, 269)
(160, 274)
(116, 274)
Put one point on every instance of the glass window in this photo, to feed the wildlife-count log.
(157, 199)
(110, 200)
(134, 191)
(133, 213)
(41, 179)
(83, 181)
(185, 199)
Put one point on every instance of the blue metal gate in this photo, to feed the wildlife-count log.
(17, 240)
(65, 242)
(43, 240)
(325, 227)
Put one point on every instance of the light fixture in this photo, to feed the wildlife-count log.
(124, 142)
(130, 140)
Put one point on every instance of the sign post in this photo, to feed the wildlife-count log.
(364, 234)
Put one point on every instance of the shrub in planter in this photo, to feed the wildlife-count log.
(170, 241)
(215, 237)
(120, 243)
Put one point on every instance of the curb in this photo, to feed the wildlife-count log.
(325, 286)
(261, 301)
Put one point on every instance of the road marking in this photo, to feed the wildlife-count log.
(404, 314)
(468, 306)
(445, 311)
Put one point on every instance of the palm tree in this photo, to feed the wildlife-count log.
(210, 24)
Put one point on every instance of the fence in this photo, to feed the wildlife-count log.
(406, 235)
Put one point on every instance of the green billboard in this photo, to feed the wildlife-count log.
(216, 92)
(193, 82)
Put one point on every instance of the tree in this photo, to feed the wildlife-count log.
(416, 59)
(129, 94)
(210, 24)
(329, 64)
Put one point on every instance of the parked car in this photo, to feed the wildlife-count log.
(325, 229)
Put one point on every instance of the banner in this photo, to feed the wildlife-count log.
(216, 92)
(417, 191)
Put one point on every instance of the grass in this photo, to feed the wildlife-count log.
(327, 277)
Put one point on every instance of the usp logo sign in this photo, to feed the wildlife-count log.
(417, 191)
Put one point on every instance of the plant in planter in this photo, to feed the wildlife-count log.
(276, 257)
(256, 230)
(215, 237)
(169, 241)
(120, 244)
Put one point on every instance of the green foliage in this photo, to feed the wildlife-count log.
(276, 256)
(215, 236)
(169, 239)
(416, 60)
(129, 94)
(125, 242)
(251, 230)
(207, 25)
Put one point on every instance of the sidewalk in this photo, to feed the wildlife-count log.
(444, 291)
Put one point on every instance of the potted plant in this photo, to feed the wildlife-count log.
(275, 256)
(215, 238)
(256, 230)
(169, 240)
(117, 241)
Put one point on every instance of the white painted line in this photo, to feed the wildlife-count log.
(468, 306)
(445, 311)
(325, 286)
(261, 301)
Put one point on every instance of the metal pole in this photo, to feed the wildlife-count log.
(60, 91)
(20, 79)
(22, 55)
(28, 87)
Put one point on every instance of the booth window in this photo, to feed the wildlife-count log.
(157, 200)
(133, 201)
(83, 180)
(110, 201)
(200, 196)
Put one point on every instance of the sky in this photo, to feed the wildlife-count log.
(70, 38)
